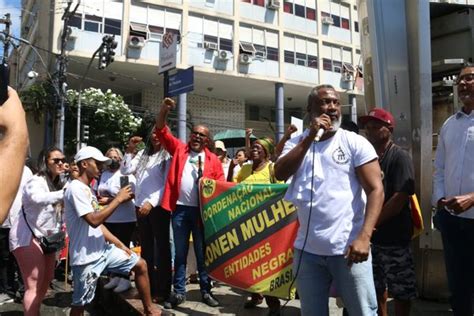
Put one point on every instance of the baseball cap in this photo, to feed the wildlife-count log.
(380, 115)
(91, 152)
(219, 145)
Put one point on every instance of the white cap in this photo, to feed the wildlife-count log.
(219, 144)
(91, 152)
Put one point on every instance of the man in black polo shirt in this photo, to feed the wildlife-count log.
(392, 257)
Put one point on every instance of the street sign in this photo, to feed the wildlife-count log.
(167, 59)
(181, 82)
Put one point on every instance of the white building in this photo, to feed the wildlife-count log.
(247, 54)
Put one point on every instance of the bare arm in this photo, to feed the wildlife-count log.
(13, 147)
(281, 144)
(393, 207)
(369, 177)
(95, 219)
(166, 106)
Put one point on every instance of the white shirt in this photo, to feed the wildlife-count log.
(454, 161)
(109, 186)
(338, 201)
(86, 243)
(188, 192)
(16, 205)
(150, 175)
(41, 209)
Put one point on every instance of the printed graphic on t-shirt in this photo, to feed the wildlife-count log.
(339, 156)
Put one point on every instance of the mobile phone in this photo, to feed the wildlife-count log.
(124, 181)
(4, 76)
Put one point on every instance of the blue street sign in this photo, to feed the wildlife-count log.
(181, 82)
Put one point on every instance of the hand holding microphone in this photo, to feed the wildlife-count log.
(320, 124)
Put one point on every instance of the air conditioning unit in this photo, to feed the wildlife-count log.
(136, 41)
(224, 55)
(327, 20)
(346, 77)
(273, 4)
(245, 59)
(73, 33)
(210, 46)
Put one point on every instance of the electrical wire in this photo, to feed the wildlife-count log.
(307, 228)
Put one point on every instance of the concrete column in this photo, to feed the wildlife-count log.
(182, 104)
(353, 103)
(279, 107)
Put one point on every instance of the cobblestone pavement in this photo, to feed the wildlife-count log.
(232, 301)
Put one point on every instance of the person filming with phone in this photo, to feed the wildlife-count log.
(123, 221)
(332, 169)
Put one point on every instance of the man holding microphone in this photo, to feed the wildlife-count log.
(332, 169)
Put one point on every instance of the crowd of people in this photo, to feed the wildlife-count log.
(352, 196)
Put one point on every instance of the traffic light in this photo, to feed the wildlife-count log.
(85, 133)
(107, 53)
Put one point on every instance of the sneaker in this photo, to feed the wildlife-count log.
(124, 284)
(5, 298)
(175, 300)
(112, 283)
(209, 300)
(253, 302)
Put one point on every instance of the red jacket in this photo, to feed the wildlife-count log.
(180, 152)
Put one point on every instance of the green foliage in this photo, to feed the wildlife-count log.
(110, 120)
(38, 99)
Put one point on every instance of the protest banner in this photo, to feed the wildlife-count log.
(249, 232)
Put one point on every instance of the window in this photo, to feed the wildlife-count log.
(337, 20)
(156, 33)
(301, 59)
(210, 39)
(260, 51)
(75, 21)
(327, 64)
(345, 23)
(260, 3)
(288, 7)
(356, 26)
(311, 14)
(272, 53)
(246, 47)
(93, 23)
(336, 66)
(289, 57)
(225, 44)
(312, 61)
(299, 10)
(254, 113)
(112, 26)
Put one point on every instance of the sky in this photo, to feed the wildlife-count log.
(14, 8)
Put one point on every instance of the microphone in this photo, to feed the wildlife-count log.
(319, 134)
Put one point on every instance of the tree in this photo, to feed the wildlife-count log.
(110, 120)
(38, 99)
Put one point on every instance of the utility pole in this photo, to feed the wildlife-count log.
(6, 42)
(61, 78)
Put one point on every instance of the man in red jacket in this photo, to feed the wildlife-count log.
(181, 196)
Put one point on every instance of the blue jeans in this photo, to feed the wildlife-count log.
(354, 284)
(458, 242)
(187, 220)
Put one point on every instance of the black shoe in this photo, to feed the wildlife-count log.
(209, 300)
(176, 299)
(253, 302)
(167, 305)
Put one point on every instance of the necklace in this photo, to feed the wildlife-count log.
(382, 157)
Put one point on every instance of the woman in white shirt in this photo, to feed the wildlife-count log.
(123, 221)
(42, 206)
(150, 167)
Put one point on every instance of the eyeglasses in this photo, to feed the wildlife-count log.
(467, 78)
(58, 160)
(199, 134)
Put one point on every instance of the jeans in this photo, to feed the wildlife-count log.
(187, 220)
(458, 240)
(316, 273)
(154, 232)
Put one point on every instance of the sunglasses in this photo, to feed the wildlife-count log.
(467, 78)
(199, 134)
(58, 160)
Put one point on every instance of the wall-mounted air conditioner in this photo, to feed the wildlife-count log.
(224, 55)
(245, 59)
(73, 33)
(210, 46)
(346, 77)
(327, 20)
(273, 4)
(136, 41)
